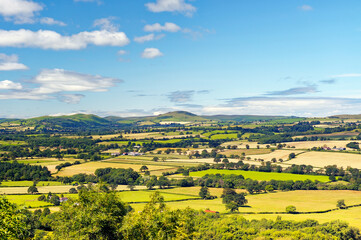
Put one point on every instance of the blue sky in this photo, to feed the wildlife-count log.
(144, 57)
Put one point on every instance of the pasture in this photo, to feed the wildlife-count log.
(41, 189)
(28, 183)
(90, 167)
(262, 176)
(311, 144)
(277, 154)
(252, 151)
(322, 159)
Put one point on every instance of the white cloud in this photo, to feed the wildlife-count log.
(149, 37)
(59, 80)
(51, 21)
(171, 6)
(306, 8)
(156, 27)
(347, 75)
(9, 85)
(151, 53)
(10, 63)
(46, 39)
(106, 24)
(71, 98)
(58, 84)
(122, 52)
(19, 11)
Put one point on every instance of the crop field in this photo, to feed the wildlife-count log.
(41, 189)
(252, 151)
(262, 176)
(28, 183)
(311, 144)
(90, 167)
(27, 200)
(322, 159)
(334, 135)
(278, 154)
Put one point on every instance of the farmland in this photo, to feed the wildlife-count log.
(262, 176)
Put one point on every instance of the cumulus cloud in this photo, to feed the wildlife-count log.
(51, 21)
(19, 11)
(9, 85)
(306, 8)
(167, 27)
(46, 39)
(106, 24)
(294, 91)
(181, 96)
(58, 84)
(59, 80)
(10, 63)
(147, 38)
(171, 6)
(151, 53)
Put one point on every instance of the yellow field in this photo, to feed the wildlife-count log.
(90, 167)
(41, 189)
(321, 159)
(352, 216)
(278, 154)
(311, 144)
(253, 151)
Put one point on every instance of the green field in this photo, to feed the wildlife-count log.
(29, 183)
(144, 196)
(224, 136)
(262, 176)
(12, 143)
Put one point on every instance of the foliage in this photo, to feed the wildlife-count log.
(341, 204)
(291, 209)
(156, 221)
(15, 223)
(233, 200)
(94, 215)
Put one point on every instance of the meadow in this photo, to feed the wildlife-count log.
(262, 176)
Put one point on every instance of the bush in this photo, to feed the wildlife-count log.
(291, 209)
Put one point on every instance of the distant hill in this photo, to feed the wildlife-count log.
(64, 122)
(244, 118)
(347, 116)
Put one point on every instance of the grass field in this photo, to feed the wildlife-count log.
(12, 143)
(90, 167)
(261, 176)
(321, 159)
(224, 136)
(28, 183)
(144, 196)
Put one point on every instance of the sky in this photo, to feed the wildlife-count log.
(146, 57)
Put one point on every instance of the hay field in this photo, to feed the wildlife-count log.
(41, 189)
(278, 154)
(252, 151)
(352, 216)
(311, 144)
(90, 167)
(322, 159)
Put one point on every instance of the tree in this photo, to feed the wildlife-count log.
(55, 200)
(291, 209)
(205, 194)
(341, 204)
(15, 223)
(151, 182)
(156, 221)
(33, 189)
(269, 188)
(144, 168)
(94, 215)
(233, 200)
(163, 182)
(216, 160)
(292, 155)
(73, 190)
